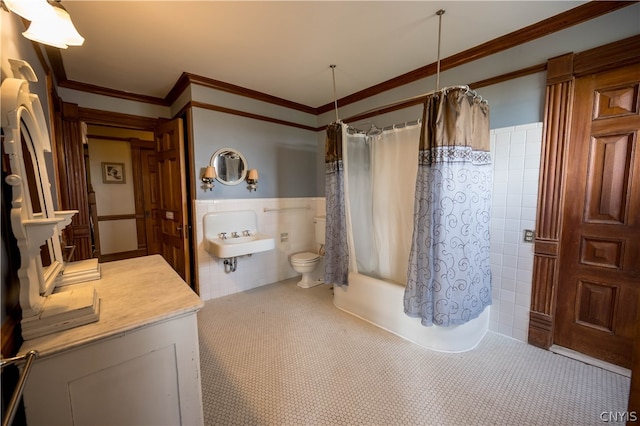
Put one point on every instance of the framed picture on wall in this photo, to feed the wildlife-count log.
(113, 173)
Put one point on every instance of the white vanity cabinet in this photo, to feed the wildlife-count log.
(138, 365)
(120, 348)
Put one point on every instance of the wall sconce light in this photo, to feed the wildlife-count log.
(252, 180)
(208, 178)
(50, 22)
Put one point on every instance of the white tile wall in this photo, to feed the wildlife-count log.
(260, 268)
(516, 162)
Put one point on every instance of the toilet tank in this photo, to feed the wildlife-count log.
(320, 224)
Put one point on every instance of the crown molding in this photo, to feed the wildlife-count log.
(564, 20)
(556, 23)
(105, 91)
(226, 110)
(188, 78)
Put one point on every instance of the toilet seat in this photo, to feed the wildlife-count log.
(302, 258)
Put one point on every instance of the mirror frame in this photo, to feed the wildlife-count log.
(21, 110)
(214, 163)
(35, 150)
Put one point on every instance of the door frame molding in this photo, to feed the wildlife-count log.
(561, 74)
(71, 177)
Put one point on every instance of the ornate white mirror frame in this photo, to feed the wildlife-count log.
(26, 139)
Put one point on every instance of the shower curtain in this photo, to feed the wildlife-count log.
(336, 250)
(449, 277)
(380, 171)
(413, 205)
(369, 202)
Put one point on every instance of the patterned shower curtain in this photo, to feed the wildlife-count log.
(449, 276)
(336, 250)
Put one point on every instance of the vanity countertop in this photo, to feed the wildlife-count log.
(134, 293)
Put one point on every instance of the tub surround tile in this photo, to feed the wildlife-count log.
(510, 261)
(500, 176)
(512, 213)
(530, 177)
(523, 298)
(510, 286)
(516, 162)
(524, 275)
(500, 197)
(521, 316)
(527, 223)
(529, 213)
(517, 147)
(514, 200)
(531, 162)
(508, 299)
(533, 148)
(506, 329)
(528, 126)
(520, 334)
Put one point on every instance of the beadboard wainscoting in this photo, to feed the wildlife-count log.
(288, 220)
(516, 162)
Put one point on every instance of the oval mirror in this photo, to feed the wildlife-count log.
(230, 165)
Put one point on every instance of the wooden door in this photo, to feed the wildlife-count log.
(599, 277)
(174, 235)
(101, 198)
(151, 201)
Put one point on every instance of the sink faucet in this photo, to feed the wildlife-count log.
(223, 235)
(246, 233)
(234, 235)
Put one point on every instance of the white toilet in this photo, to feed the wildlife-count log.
(307, 262)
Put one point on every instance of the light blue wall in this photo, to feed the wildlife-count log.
(285, 156)
(514, 102)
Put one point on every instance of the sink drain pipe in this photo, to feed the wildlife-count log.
(230, 264)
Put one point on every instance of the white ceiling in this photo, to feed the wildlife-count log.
(282, 48)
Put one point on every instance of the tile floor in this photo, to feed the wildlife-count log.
(283, 355)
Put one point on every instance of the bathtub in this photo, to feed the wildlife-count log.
(381, 303)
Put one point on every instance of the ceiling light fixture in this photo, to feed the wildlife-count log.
(50, 22)
(31, 10)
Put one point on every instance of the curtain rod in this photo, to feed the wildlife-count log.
(335, 94)
(534, 69)
(473, 86)
(408, 101)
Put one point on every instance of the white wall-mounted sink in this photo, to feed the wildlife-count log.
(233, 247)
(234, 233)
(240, 240)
